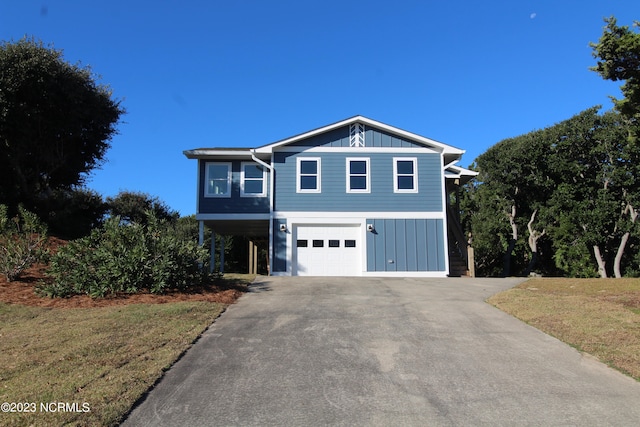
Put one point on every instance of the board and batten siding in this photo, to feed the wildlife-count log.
(340, 138)
(406, 245)
(279, 256)
(235, 203)
(334, 196)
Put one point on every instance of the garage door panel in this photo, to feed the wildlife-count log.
(327, 250)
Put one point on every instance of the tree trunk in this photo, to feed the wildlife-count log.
(602, 271)
(616, 264)
(633, 215)
(534, 236)
(506, 269)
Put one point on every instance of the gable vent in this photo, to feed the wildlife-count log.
(356, 135)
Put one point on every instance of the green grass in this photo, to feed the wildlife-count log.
(597, 316)
(105, 357)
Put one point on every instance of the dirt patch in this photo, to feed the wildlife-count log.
(22, 291)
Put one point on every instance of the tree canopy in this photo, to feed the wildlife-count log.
(618, 51)
(571, 189)
(135, 207)
(56, 122)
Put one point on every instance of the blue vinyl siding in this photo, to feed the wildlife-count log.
(340, 138)
(235, 203)
(279, 246)
(406, 245)
(334, 196)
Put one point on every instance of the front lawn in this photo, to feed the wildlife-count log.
(97, 361)
(597, 316)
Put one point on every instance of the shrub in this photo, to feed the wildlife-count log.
(22, 241)
(126, 258)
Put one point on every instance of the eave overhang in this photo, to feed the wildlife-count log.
(450, 153)
(223, 153)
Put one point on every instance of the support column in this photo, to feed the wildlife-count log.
(200, 233)
(222, 254)
(255, 258)
(251, 249)
(212, 251)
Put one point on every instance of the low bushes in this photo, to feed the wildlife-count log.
(126, 258)
(22, 241)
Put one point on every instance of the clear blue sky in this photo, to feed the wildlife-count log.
(242, 73)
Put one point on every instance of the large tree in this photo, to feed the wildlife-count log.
(135, 207)
(574, 185)
(618, 54)
(56, 122)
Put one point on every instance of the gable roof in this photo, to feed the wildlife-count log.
(431, 143)
(450, 154)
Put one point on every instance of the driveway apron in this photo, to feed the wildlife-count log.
(382, 352)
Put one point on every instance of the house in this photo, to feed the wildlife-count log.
(354, 198)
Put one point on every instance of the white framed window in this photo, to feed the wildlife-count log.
(217, 179)
(358, 175)
(252, 180)
(405, 175)
(308, 175)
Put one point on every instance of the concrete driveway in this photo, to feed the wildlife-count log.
(383, 352)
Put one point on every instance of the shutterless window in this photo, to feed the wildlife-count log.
(301, 244)
(318, 243)
(349, 243)
(217, 180)
(252, 180)
(334, 243)
(358, 175)
(308, 176)
(405, 175)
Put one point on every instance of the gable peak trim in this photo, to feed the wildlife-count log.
(356, 134)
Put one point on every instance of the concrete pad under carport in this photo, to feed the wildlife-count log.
(383, 351)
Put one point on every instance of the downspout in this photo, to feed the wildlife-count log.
(271, 203)
(445, 206)
(268, 166)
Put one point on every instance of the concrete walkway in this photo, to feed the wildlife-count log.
(383, 352)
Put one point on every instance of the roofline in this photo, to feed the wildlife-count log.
(439, 146)
(457, 171)
(203, 153)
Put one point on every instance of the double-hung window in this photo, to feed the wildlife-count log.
(405, 175)
(252, 180)
(308, 177)
(217, 180)
(358, 175)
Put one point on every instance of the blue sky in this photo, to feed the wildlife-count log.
(244, 73)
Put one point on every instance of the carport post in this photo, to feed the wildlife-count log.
(200, 239)
(200, 233)
(221, 254)
(212, 263)
(250, 257)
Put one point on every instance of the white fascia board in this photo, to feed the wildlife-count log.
(327, 217)
(205, 153)
(231, 216)
(453, 171)
(269, 147)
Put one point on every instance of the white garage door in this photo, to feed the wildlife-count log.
(327, 250)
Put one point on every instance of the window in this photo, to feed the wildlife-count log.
(308, 176)
(217, 180)
(318, 243)
(334, 243)
(358, 175)
(252, 180)
(405, 175)
(301, 244)
(349, 243)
